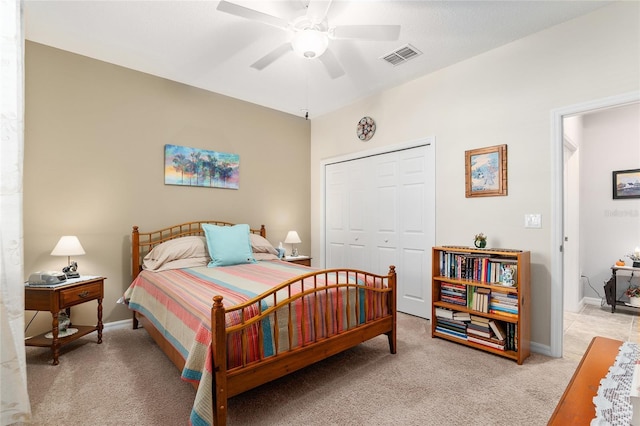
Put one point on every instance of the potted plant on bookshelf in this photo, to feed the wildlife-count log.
(633, 293)
(480, 240)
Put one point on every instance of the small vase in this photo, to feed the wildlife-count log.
(480, 243)
(634, 301)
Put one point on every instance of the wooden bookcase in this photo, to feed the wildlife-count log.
(467, 283)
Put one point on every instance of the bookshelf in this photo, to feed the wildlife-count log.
(473, 306)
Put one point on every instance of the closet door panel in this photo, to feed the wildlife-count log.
(414, 295)
(336, 215)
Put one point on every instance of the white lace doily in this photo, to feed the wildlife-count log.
(613, 406)
(61, 334)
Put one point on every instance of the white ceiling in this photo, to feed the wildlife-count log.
(193, 43)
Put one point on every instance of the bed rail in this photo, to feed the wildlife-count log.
(368, 301)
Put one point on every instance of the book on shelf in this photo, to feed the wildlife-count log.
(449, 332)
(451, 327)
(481, 299)
(476, 331)
(444, 312)
(453, 299)
(487, 342)
(462, 316)
(497, 329)
(479, 320)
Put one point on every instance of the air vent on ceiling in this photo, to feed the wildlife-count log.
(401, 55)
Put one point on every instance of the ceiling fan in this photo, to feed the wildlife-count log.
(311, 33)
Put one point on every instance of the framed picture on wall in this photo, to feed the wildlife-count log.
(186, 166)
(626, 184)
(486, 172)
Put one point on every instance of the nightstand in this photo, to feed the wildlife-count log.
(300, 260)
(55, 298)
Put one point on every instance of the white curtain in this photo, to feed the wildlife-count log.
(13, 371)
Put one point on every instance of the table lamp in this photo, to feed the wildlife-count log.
(69, 245)
(293, 238)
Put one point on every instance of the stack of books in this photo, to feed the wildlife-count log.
(504, 303)
(487, 332)
(454, 293)
(447, 323)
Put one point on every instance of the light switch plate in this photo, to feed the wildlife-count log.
(533, 220)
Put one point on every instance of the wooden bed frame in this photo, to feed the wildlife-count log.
(230, 382)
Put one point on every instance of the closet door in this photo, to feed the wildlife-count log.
(416, 231)
(377, 214)
(346, 216)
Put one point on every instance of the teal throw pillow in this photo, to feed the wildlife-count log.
(228, 245)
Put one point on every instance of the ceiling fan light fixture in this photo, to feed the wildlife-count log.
(310, 43)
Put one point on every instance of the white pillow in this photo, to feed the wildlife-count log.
(259, 244)
(183, 252)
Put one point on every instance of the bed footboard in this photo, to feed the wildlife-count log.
(340, 308)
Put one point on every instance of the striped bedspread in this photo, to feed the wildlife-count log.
(178, 302)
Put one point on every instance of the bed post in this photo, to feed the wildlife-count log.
(392, 284)
(263, 231)
(135, 263)
(219, 353)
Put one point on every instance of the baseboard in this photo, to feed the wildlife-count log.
(593, 301)
(540, 349)
(117, 324)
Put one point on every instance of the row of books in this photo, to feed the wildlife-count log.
(473, 328)
(478, 267)
(480, 299)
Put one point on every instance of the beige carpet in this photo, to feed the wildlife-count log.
(128, 381)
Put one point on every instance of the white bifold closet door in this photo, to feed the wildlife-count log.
(379, 211)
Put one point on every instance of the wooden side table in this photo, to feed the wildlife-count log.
(610, 290)
(64, 296)
(300, 260)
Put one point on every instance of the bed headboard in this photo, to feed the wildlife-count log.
(143, 242)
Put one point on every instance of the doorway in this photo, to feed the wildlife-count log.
(561, 252)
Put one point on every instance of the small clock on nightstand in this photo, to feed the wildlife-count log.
(300, 260)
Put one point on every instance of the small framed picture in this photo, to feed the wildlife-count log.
(486, 172)
(626, 184)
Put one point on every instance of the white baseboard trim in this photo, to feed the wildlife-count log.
(593, 301)
(541, 349)
(117, 324)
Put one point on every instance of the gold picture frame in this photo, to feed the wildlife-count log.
(486, 172)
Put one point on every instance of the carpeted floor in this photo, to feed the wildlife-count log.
(127, 380)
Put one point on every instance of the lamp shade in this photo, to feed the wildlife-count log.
(292, 238)
(309, 43)
(68, 245)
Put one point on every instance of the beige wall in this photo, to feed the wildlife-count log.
(502, 97)
(93, 166)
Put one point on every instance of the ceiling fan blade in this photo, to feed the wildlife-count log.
(254, 15)
(317, 10)
(368, 32)
(332, 64)
(270, 57)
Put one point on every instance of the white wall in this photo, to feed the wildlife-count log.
(610, 228)
(503, 96)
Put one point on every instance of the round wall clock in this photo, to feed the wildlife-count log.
(366, 128)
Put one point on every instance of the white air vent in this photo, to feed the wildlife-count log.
(401, 55)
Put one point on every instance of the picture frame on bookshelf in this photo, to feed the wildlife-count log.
(486, 172)
(626, 184)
